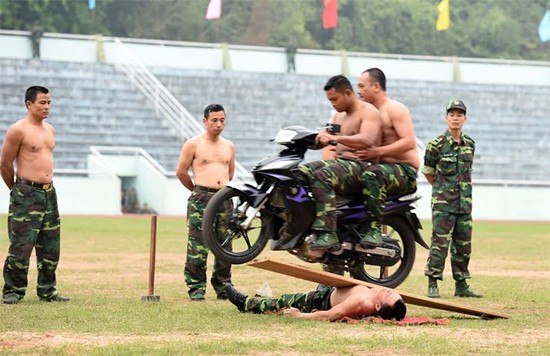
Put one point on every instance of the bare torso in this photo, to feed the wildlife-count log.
(30, 143)
(351, 124)
(341, 294)
(211, 159)
(211, 164)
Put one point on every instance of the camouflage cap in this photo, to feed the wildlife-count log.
(456, 104)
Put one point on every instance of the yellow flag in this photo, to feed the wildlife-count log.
(444, 18)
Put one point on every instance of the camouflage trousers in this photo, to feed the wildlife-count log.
(382, 179)
(455, 230)
(328, 179)
(33, 222)
(197, 251)
(305, 302)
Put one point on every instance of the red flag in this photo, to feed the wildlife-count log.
(330, 14)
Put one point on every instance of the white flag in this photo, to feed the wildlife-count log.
(214, 10)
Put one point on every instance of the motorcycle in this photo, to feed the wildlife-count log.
(239, 220)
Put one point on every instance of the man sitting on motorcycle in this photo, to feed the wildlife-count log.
(360, 125)
(399, 160)
(329, 304)
(398, 155)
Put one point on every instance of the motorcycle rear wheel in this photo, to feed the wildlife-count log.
(223, 232)
(392, 276)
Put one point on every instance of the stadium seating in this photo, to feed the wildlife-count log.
(94, 104)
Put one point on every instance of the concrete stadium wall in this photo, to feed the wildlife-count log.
(100, 195)
(498, 201)
(81, 48)
(98, 191)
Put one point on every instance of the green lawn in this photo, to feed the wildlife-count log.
(104, 268)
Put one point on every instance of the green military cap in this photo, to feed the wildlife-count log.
(456, 104)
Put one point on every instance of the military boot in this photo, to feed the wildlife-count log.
(237, 298)
(55, 298)
(11, 299)
(373, 237)
(463, 290)
(433, 291)
(324, 240)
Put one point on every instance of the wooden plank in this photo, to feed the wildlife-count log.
(331, 279)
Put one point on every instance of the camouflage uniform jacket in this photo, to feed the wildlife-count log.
(451, 165)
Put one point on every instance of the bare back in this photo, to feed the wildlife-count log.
(398, 134)
(211, 159)
(30, 143)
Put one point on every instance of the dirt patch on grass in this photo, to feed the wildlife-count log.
(32, 340)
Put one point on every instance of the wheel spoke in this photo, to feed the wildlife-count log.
(229, 238)
(246, 239)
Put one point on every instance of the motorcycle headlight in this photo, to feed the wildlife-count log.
(285, 136)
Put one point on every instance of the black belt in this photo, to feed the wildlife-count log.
(200, 188)
(34, 184)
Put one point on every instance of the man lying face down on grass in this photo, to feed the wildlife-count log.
(330, 303)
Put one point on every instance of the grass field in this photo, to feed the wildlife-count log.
(104, 268)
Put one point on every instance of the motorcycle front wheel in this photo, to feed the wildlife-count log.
(398, 231)
(232, 229)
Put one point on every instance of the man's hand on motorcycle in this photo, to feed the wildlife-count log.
(324, 138)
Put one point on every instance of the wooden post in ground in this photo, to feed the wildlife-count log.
(152, 257)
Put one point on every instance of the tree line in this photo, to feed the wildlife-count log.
(505, 29)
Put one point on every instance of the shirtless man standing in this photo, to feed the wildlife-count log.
(33, 220)
(332, 304)
(212, 160)
(359, 128)
(398, 154)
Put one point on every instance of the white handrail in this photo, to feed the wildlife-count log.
(164, 101)
(125, 150)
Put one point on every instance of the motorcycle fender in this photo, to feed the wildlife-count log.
(248, 192)
(416, 226)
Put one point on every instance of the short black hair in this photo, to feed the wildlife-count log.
(339, 83)
(396, 311)
(212, 108)
(32, 93)
(377, 76)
